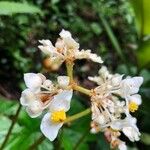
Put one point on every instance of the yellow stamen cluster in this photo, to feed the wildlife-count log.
(133, 106)
(58, 116)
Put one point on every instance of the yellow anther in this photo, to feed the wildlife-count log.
(133, 106)
(58, 116)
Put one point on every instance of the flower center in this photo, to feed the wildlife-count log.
(133, 106)
(58, 116)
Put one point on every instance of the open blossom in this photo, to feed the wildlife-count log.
(129, 88)
(53, 120)
(107, 108)
(128, 127)
(66, 48)
(40, 92)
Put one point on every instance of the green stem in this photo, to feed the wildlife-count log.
(11, 127)
(82, 90)
(78, 115)
(69, 66)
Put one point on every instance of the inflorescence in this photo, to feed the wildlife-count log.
(112, 100)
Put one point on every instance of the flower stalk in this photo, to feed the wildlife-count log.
(82, 90)
(78, 115)
(69, 66)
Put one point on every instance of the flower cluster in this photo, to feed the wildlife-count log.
(65, 49)
(111, 101)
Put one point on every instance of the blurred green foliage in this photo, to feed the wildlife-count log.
(105, 26)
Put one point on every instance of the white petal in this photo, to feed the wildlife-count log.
(32, 81)
(83, 54)
(93, 131)
(96, 79)
(104, 72)
(116, 79)
(35, 109)
(122, 146)
(86, 54)
(100, 119)
(61, 101)
(96, 58)
(49, 129)
(63, 81)
(71, 45)
(27, 97)
(117, 125)
(47, 48)
(136, 98)
(43, 78)
(65, 34)
(47, 83)
(46, 42)
(131, 85)
(131, 133)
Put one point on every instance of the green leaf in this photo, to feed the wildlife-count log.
(9, 8)
(143, 54)
(142, 13)
(70, 138)
(4, 126)
(7, 107)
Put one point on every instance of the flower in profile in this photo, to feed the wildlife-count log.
(65, 49)
(54, 119)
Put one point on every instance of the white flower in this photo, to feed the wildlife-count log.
(33, 98)
(53, 121)
(128, 127)
(63, 81)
